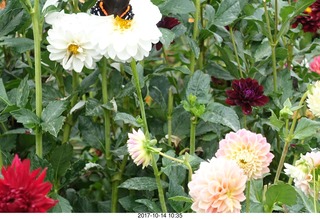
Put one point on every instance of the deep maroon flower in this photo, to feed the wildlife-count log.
(168, 23)
(310, 19)
(22, 190)
(246, 93)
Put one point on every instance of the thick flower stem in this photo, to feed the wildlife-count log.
(169, 115)
(106, 114)
(315, 190)
(235, 51)
(195, 33)
(288, 139)
(141, 102)
(193, 135)
(69, 121)
(248, 197)
(159, 186)
(37, 27)
(115, 183)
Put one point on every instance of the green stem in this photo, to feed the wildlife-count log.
(169, 116)
(1, 160)
(141, 102)
(115, 183)
(193, 135)
(159, 186)
(274, 67)
(69, 121)
(248, 197)
(37, 27)
(106, 113)
(288, 139)
(195, 33)
(315, 191)
(276, 19)
(235, 51)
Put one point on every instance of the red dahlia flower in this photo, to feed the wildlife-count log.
(310, 19)
(246, 93)
(22, 190)
(168, 23)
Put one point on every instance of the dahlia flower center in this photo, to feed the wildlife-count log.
(248, 93)
(122, 24)
(74, 49)
(246, 160)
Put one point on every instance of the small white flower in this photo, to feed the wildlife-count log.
(313, 99)
(73, 41)
(132, 39)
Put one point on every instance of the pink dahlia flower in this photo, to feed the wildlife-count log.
(251, 151)
(140, 148)
(302, 172)
(22, 190)
(217, 187)
(315, 64)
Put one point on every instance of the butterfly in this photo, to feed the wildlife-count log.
(120, 8)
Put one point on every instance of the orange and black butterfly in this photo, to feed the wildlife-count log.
(120, 8)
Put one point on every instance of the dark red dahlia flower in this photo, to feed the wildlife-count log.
(246, 93)
(168, 23)
(22, 190)
(310, 19)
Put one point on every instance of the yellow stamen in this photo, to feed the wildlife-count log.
(73, 49)
(122, 24)
(308, 10)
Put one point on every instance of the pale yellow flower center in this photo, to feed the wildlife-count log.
(74, 49)
(122, 24)
(246, 160)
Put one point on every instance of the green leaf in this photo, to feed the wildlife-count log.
(275, 123)
(26, 117)
(151, 205)
(93, 107)
(60, 159)
(126, 118)
(194, 47)
(53, 126)
(227, 12)
(88, 129)
(181, 199)
(53, 110)
(199, 86)
(308, 202)
(22, 93)
(306, 128)
(20, 45)
(63, 206)
(3, 94)
(11, 24)
(218, 113)
(280, 193)
(167, 37)
(262, 52)
(142, 183)
(177, 7)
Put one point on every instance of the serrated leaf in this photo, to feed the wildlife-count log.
(60, 159)
(3, 94)
(151, 205)
(194, 47)
(20, 45)
(276, 123)
(53, 126)
(53, 110)
(306, 128)
(218, 113)
(177, 7)
(22, 93)
(126, 118)
(167, 37)
(93, 107)
(227, 12)
(142, 183)
(28, 118)
(199, 86)
(280, 193)
(63, 206)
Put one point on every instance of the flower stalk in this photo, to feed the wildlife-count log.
(141, 102)
(37, 27)
(248, 196)
(195, 33)
(235, 51)
(169, 115)
(159, 186)
(289, 139)
(194, 121)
